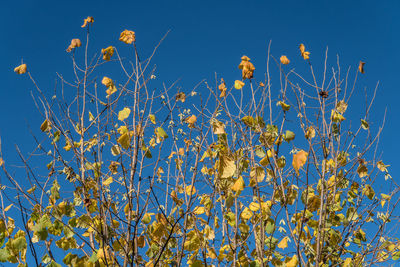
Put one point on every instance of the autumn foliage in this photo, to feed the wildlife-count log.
(257, 171)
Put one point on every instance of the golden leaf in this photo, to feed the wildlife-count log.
(246, 213)
(284, 243)
(152, 118)
(1, 162)
(190, 190)
(292, 262)
(238, 84)
(86, 21)
(124, 140)
(284, 60)
(107, 52)
(74, 44)
(123, 114)
(361, 67)
(239, 185)
(191, 120)
(108, 181)
(247, 68)
(141, 241)
(254, 206)
(8, 207)
(46, 126)
(21, 69)
(160, 171)
(305, 54)
(199, 210)
(299, 159)
(91, 117)
(127, 37)
(222, 88)
(107, 81)
(226, 167)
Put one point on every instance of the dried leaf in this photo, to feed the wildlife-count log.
(181, 96)
(218, 127)
(361, 67)
(86, 21)
(284, 60)
(107, 52)
(247, 68)
(310, 132)
(222, 88)
(127, 37)
(299, 159)
(21, 69)
(283, 243)
(305, 54)
(74, 44)
(1, 162)
(381, 166)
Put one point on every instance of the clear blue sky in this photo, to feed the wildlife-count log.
(206, 37)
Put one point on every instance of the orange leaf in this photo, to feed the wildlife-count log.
(299, 159)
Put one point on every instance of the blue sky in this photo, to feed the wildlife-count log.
(206, 37)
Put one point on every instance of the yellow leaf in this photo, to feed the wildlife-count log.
(107, 81)
(127, 37)
(257, 173)
(74, 44)
(31, 190)
(239, 185)
(239, 84)
(8, 207)
(115, 150)
(86, 21)
(284, 243)
(299, 159)
(246, 213)
(304, 53)
(292, 262)
(124, 140)
(347, 263)
(160, 171)
(46, 126)
(191, 120)
(284, 60)
(108, 181)
(21, 69)
(226, 167)
(123, 114)
(264, 161)
(361, 67)
(91, 117)
(199, 210)
(190, 190)
(254, 206)
(152, 118)
(107, 52)
(1, 162)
